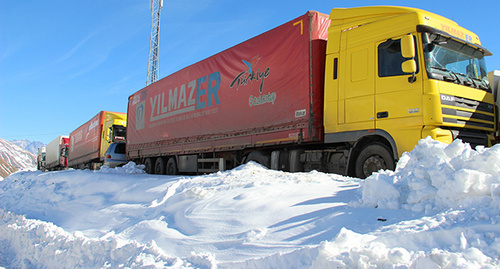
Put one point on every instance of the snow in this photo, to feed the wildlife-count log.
(440, 208)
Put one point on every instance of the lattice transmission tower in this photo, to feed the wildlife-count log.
(156, 6)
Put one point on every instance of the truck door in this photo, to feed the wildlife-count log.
(356, 100)
(398, 96)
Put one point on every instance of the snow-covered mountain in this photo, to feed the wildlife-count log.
(15, 156)
(29, 145)
(6, 169)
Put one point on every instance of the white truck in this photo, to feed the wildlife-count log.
(56, 153)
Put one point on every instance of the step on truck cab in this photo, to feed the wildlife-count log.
(347, 93)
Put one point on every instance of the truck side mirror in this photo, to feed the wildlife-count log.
(408, 46)
(409, 66)
(408, 51)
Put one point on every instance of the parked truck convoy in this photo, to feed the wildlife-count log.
(89, 142)
(346, 93)
(56, 154)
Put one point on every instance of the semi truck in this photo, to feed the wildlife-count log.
(56, 154)
(347, 93)
(40, 158)
(89, 142)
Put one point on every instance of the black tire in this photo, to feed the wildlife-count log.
(160, 168)
(372, 158)
(259, 157)
(171, 168)
(149, 166)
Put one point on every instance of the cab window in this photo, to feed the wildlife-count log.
(390, 58)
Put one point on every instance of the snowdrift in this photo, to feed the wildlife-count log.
(440, 208)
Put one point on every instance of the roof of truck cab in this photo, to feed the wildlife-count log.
(371, 12)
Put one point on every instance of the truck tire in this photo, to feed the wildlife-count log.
(372, 158)
(149, 166)
(171, 168)
(259, 157)
(160, 168)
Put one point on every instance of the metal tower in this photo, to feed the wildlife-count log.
(156, 6)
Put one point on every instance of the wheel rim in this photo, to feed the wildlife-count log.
(171, 167)
(157, 169)
(170, 170)
(149, 166)
(373, 164)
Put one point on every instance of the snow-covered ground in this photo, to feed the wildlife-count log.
(439, 209)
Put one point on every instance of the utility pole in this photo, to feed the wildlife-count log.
(156, 6)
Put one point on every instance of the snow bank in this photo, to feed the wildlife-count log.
(437, 176)
(29, 243)
(129, 168)
(353, 250)
(439, 209)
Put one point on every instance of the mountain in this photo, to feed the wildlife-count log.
(6, 169)
(28, 145)
(14, 156)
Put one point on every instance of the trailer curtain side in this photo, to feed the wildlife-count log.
(267, 90)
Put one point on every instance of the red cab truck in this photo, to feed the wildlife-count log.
(56, 154)
(89, 142)
(346, 93)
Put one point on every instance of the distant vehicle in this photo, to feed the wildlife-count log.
(89, 142)
(41, 158)
(115, 155)
(56, 154)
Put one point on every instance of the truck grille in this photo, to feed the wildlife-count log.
(467, 113)
(473, 138)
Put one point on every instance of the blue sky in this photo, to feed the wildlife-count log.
(61, 62)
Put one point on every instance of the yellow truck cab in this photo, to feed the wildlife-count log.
(114, 130)
(395, 75)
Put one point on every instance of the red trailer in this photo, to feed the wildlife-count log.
(248, 102)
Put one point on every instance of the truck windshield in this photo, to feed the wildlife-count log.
(64, 151)
(119, 133)
(453, 61)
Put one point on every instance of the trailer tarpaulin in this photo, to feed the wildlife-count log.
(85, 141)
(257, 92)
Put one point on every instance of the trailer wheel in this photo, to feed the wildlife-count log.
(160, 166)
(149, 166)
(258, 157)
(372, 158)
(171, 166)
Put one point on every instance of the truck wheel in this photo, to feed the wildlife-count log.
(372, 158)
(258, 157)
(160, 166)
(171, 166)
(149, 166)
